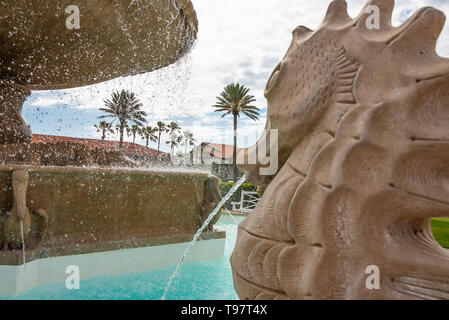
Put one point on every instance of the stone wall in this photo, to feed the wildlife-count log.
(80, 210)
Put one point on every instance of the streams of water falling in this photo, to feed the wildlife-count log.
(23, 243)
(232, 217)
(200, 230)
(23, 252)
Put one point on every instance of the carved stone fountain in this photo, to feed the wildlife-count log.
(363, 122)
(115, 39)
(73, 210)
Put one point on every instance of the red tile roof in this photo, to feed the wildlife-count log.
(221, 151)
(130, 149)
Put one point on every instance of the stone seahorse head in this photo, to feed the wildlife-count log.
(363, 145)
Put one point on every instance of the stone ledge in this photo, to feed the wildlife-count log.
(15, 257)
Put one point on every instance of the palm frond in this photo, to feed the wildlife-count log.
(124, 106)
(235, 99)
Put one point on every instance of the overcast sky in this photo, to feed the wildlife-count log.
(238, 41)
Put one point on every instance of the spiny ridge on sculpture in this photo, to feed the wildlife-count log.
(364, 146)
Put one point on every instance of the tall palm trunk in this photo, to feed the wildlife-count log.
(134, 139)
(234, 155)
(159, 141)
(201, 156)
(146, 145)
(103, 137)
(122, 129)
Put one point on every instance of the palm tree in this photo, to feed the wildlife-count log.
(105, 128)
(133, 130)
(189, 140)
(117, 129)
(149, 134)
(175, 141)
(125, 107)
(161, 128)
(173, 129)
(234, 100)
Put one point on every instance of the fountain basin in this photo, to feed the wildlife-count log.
(16, 280)
(41, 48)
(198, 280)
(91, 210)
(114, 39)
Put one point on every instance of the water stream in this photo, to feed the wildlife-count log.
(232, 217)
(200, 231)
(23, 253)
(23, 243)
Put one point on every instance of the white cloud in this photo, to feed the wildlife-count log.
(44, 99)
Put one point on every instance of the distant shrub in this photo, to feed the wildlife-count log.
(226, 186)
(225, 172)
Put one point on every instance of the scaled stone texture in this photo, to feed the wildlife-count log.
(363, 122)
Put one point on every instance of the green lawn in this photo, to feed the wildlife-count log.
(440, 229)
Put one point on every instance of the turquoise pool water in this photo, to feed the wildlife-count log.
(210, 280)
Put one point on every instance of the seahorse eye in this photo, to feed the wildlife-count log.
(273, 78)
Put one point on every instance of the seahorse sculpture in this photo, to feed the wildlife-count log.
(363, 123)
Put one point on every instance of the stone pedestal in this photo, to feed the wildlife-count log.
(115, 39)
(14, 128)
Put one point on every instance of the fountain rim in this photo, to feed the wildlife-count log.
(185, 8)
(74, 170)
